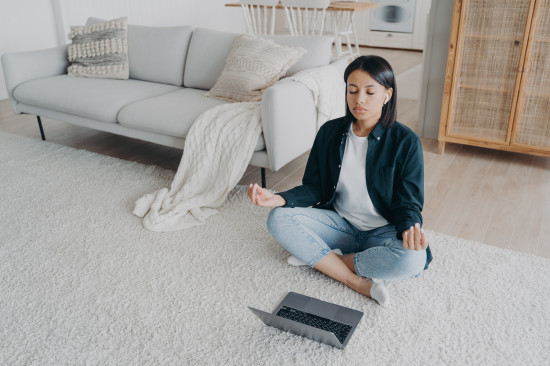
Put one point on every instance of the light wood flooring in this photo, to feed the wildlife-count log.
(494, 197)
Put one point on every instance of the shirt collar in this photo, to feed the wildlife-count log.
(377, 133)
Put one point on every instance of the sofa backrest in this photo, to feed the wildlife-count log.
(156, 54)
(209, 49)
(319, 50)
(205, 61)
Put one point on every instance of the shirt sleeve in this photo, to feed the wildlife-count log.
(409, 189)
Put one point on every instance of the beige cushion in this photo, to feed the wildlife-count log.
(100, 50)
(253, 65)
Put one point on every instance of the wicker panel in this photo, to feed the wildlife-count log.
(481, 113)
(489, 62)
(537, 76)
(490, 51)
(542, 29)
(534, 122)
(505, 18)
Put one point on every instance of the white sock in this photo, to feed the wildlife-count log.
(293, 261)
(380, 293)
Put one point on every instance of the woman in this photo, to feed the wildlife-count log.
(357, 215)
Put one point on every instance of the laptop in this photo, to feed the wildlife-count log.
(315, 319)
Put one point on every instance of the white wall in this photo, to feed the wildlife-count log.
(196, 13)
(31, 24)
(23, 29)
(435, 65)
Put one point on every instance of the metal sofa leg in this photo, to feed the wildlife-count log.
(41, 129)
(263, 177)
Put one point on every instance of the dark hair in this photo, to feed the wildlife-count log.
(380, 70)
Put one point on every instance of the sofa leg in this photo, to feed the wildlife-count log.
(41, 129)
(263, 177)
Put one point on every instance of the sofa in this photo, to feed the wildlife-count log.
(170, 70)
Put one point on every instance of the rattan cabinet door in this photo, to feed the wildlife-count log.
(533, 120)
(489, 50)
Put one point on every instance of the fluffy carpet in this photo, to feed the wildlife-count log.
(83, 283)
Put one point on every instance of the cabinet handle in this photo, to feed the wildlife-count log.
(517, 43)
(390, 35)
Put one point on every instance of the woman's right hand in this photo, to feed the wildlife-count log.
(262, 197)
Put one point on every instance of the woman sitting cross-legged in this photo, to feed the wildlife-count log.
(357, 215)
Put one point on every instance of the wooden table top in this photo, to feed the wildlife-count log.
(336, 6)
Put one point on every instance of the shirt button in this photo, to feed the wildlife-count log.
(378, 138)
(339, 166)
(334, 187)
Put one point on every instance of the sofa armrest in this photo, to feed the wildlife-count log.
(340, 64)
(289, 120)
(24, 66)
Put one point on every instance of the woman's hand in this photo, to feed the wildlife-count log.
(415, 238)
(262, 197)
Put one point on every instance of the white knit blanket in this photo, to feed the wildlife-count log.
(217, 151)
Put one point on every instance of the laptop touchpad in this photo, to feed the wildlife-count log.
(321, 308)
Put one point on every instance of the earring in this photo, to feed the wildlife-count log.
(386, 101)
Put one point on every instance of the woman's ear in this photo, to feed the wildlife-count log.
(388, 96)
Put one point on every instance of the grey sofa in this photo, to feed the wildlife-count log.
(171, 68)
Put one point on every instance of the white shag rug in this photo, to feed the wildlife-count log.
(83, 283)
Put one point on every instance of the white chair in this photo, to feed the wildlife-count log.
(305, 17)
(259, 16)
(344, 30)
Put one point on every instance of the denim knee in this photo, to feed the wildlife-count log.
(387, 263)
(275, 217)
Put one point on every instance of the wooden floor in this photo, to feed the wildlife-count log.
(494, 197)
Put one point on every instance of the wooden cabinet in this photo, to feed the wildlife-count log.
(497, 86)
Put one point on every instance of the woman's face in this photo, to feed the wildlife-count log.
(366, 97)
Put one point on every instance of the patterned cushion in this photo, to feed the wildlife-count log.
(100, 50)
(253, 65)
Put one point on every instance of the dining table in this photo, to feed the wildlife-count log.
(343, 22)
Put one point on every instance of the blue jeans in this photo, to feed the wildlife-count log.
(310, 234)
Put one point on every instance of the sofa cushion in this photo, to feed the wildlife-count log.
(209, 49)
(253, 65)
(319, 50)
(205, 61)
(170, 114)
(156, 53)
(99, 99)
(99, 50)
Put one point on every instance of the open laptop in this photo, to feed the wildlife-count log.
(314, 319)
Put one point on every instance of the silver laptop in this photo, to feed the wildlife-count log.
(315, 319)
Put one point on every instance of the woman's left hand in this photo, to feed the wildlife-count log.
(415, 238)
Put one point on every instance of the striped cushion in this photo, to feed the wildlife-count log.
(100, 50)
(253, 65)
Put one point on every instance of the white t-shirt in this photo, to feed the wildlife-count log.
(352, 200)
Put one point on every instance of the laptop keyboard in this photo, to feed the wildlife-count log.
(340, 330)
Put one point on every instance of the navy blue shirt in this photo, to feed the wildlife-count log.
(394, 173)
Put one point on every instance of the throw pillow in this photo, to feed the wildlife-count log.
(100, 50)
(253, 65)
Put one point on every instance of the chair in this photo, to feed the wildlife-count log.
(305, 17)
(259, 16)
(344, 29)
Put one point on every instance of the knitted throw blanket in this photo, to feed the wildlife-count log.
(217, 151)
